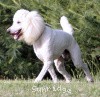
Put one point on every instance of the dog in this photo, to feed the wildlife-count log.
(49, 44)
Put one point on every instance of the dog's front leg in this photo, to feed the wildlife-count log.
(44, 70)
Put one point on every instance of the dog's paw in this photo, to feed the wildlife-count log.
(90, 79)
(68, 80)
(55, 80)
(37, 80)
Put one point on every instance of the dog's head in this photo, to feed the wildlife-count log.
(27, 26)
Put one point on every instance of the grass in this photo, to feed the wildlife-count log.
(26, 88)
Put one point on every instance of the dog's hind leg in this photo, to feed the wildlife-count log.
(59, 63)
(77, 60)
(52, 73)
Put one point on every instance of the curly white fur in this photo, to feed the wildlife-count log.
(49, 44)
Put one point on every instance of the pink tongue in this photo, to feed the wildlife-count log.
(15, 37)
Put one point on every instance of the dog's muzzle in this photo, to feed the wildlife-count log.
(16, 35)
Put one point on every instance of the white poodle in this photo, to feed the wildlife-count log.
(49, 44)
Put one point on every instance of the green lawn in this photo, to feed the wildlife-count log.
(26, 88)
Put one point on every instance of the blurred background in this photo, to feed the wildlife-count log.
(17, 59)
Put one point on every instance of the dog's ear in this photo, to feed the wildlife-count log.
(34, 26)
(36, 20)
(30, 20)
(33, 14)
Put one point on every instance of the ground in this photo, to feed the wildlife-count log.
(46, 88)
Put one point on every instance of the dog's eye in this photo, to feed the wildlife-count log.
(18, 22)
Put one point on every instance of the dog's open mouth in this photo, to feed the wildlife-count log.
(16, 34)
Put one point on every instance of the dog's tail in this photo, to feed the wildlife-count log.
(66, 26)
